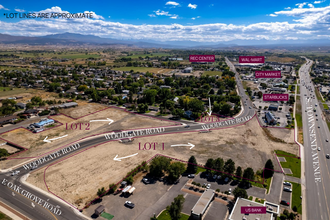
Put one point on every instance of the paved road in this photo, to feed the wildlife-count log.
(275, 188)
(37, 212)
(316, 165)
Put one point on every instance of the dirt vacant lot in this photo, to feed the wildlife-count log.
(77, 179)
(36, 146)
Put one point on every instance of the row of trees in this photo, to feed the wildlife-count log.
(163, 165)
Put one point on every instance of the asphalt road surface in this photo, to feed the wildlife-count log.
(316, 164)
(37, 211)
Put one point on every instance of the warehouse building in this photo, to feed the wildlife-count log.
(202, 204)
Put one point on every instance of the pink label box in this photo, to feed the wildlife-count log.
(253, 210)
(268, 74)
(275, 97)
(251, 59)
(201, 58)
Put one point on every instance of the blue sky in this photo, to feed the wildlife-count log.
(203, 21)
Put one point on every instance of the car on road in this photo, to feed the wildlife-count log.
(287, 183)
(326, 140)
(129, 204)
(187, 126)
(208, 186)
(318, 126)
(287, 189)
(316, 115)
(15, 172)
(130, 132)
(318, 148)
(191, 175)
(34, 167)
(283, 202)
(249, 107)
(328, 156)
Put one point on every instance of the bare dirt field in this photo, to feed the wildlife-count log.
(34, 141)
(246, 145)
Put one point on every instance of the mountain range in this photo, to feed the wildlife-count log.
(80, 39)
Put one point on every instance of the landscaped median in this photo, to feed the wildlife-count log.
(292, 162)
(166, 216)
(296, 200)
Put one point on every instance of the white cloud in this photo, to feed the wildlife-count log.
(301, 5)
(19, 10)
(193, 18)
(192, 6)
(151, 15)
(2, 7)
(309, 23)
(108, 16)
(159, 12)
(318, 2)
(311, 5)
(273, 15)
(287, 8)
(174, 4)
(211, 5)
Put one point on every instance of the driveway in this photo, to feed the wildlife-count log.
(276, 188)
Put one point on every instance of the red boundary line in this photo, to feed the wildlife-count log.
(25, 149)
(140, 165)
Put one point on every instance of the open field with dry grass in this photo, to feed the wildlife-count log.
(79, 177)
(34, 141)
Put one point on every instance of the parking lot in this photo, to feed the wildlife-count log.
(145, 196)
(286, 195)
(220, 184)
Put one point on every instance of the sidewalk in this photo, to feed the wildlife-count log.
(12, 213)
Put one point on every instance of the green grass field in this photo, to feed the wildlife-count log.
(4, 217)
(13, 92)
(107, 215)
(199, 170)
(299, 120)
(293, 163)
(135, 56)
(325, 106)
(296, 193)
(318, 95)
(212, 73)
(165, 216)
(298, 90)
(143, 69)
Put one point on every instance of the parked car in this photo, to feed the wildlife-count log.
(191, 175)
(287, 189)
(283, 202)
(129, 204)
(226, 180)
(287, 183)
(219, 177)
(229, 190)
(208, 186)
(215, 177)
(145, 180)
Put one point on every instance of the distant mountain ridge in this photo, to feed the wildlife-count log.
(80, 39)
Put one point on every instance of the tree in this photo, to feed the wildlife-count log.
(3, 153)
(248, 174)
(229, 166)
(239, 172)
(150, 96)
(175, 170)
(192, 168)
(153, 218)
(209, 165)
(101, 192)
(175, 208)
(158, 165)
(129, 179)
(112, 188)
(269, 169)
(239, 192)
(218, 164)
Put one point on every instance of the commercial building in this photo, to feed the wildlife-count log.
(202, 204)
(270, 119)
(187, 70)
(44, 122)
(272, 210)
(273, 107)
